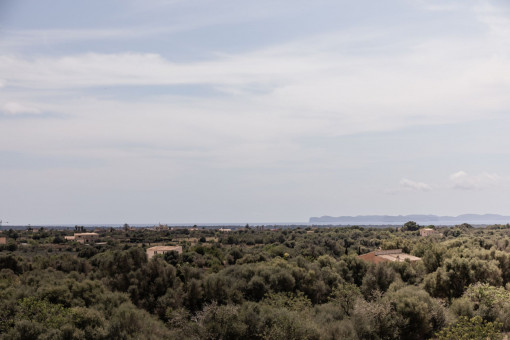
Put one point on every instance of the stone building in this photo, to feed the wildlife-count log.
(158, 250)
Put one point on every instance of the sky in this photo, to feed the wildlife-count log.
(199, 111)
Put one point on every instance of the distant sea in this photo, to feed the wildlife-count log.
(361, 223)
(146, 225)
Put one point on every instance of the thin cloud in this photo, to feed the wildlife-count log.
(496, 18)
(407, 184)
(14, 108)
(460, 180)
(20, 39)
(439, 6)
(463, 181)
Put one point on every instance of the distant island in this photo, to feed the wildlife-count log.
(420, 219)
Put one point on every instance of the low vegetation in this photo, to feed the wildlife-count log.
(295, 283)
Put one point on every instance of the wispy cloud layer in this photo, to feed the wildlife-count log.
(234, 95)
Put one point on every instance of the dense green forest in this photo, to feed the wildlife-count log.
(294, 283)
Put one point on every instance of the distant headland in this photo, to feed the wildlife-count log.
(420, 219)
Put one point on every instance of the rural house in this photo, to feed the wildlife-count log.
(427, 231)
(158, 250)
(392, 255)
(83, 237)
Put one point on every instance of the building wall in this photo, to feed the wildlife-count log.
(152, 252)
(87, 238)
(426, 232)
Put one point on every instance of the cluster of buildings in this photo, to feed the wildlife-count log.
(88, 238)
(378, 256)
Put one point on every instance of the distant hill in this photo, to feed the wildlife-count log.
(420, 219)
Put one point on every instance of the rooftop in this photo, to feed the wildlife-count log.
(392, 255)
(162, 248)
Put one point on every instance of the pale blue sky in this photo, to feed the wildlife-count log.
(250, 111)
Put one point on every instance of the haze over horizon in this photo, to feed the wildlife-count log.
(229, 111)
